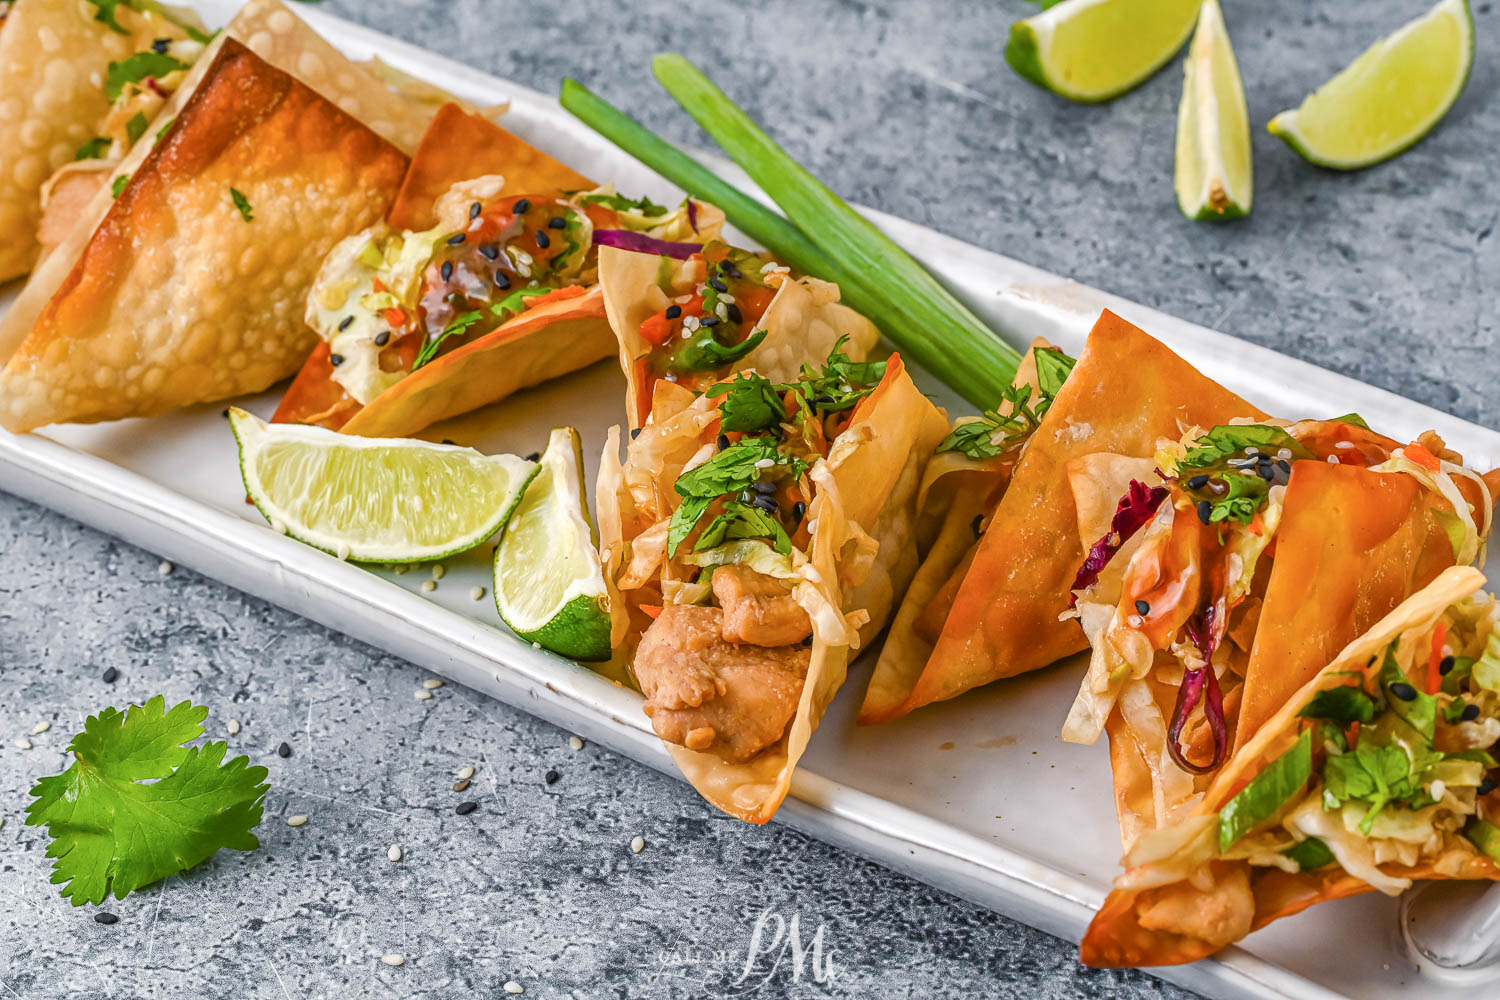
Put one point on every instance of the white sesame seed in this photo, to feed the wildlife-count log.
(770, 265)
(439, 571)
(575, 743)
(690, 323)
(165, 569)
(394, 854)
(429, 586)
(393, 959)
(1250, 449)
(233, 725)
(511, 986)
(1344, 444)
(422, 694)
(22, 743)
(297, 820)
(637, 845)
(726, 298)
(765, 463)
(477, 593)
(1333, 460)
(432, 684)
(41, 727)
(1284, 454)
(465, 774)
(1134, 621)
(722, 311)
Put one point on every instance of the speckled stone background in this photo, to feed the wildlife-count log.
(1388, 275)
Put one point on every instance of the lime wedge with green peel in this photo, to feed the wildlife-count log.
(1213, 177)
(549, 584)
(1388, 98)
(375, 499)
(1093, 50)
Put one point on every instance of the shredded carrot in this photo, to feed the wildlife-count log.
(651, 610)
(556, 295)
(1422, 457)
(657, 329)
(1353, 734)
(1435, 659)
(395, 317)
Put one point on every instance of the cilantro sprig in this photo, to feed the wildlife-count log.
(995, 433)
(114, 833)
(731, 470)
(1229, 481)
(133, 69)
(620, 203)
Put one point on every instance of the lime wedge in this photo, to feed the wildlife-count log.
(1093, 50)
(375, 499)
(549, 584)
(1213, 126)
(1390, 97)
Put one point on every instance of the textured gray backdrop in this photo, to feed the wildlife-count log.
(1388, 275)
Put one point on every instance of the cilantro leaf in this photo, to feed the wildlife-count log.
(136, 127)
(645, 206)
(134, 69)
(105, 14)
(840, 383)
(94, 149)
(1414, 707)
(1230, 440)
(731, 470)
(457, 328)
(1346, 704)
(161, 132)
(1372, 775)
(1310, 854)
(1485, 836)
(242, 204)
(993, 434)
(1351, 418)
(741, 520)
(112, 833)
(750, 404)
(684, 519)
(704, 352)
(118, 185)
(1228, 480)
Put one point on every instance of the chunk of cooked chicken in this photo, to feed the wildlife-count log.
(758, 608)
(710, 695)
(1219, 915)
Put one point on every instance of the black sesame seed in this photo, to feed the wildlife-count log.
(1404, 691)
(489, 251)
(224, 413)
(335, 359)
(1470, 713)
(1205, 510)
(1266, 471)
(1142, 608)
(974, 525)
(635, 432)
(798, 509)
(382, 338)
(709, 321)
(464, 808)
(502, 281)
(674, 311)
(717, 285)
(735, 316)
(111, 675)
(543, 240)
(723, 442)
(456, 239)
(557, 222)
(344, 323)
(521, 207)
(284, 751)
(1197, 482)
(807, 641)
(825, 398)
(728, 268)
(765, 503)
(1445, 664)
(552, 777)
(474, 210)
(447, 270)
(447, 441)
(1486, 786)
(761, 486)
(106, 918)
(534, 456)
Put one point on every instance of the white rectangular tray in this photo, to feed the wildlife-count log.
(977, 796)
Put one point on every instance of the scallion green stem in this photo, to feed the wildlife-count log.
(925, 319)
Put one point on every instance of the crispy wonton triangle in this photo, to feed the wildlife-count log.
(168, 296)
(460, 146)
(51, 51)
(1126, 392)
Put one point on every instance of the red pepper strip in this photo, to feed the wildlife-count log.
(1435, 659)
(1422, 457)
(657, 329)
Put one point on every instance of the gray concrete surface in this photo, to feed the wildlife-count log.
(1388, 275)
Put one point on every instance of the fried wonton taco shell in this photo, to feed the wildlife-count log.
(1126, 392)
(167, 295)
(866, 487)
(1117, 938)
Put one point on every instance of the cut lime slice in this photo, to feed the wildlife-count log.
(1213, 178)
(549, 584)
(375, 499)
(1390, 97)
(1093, 50)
